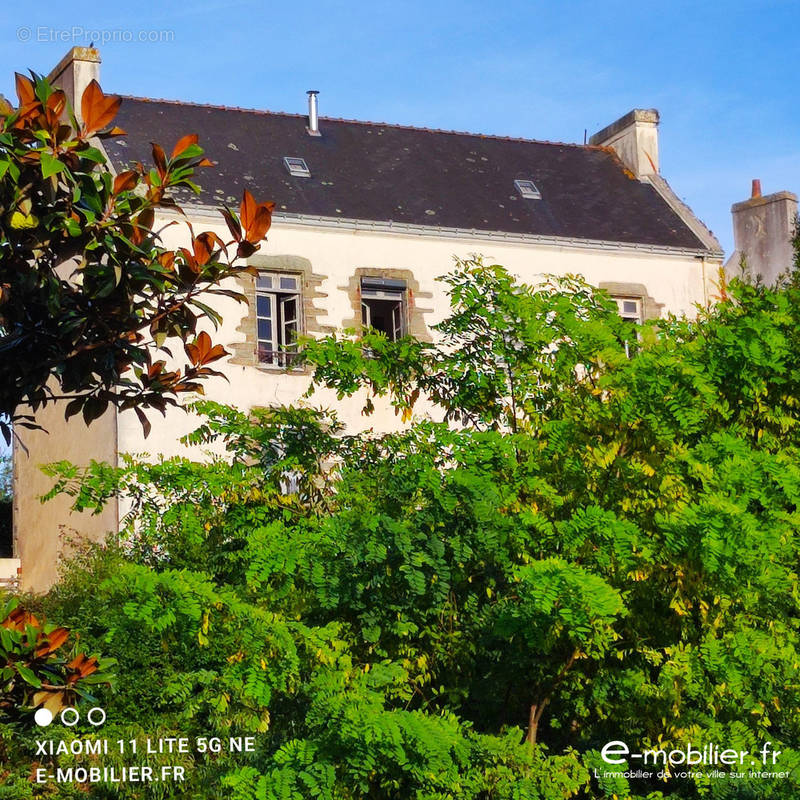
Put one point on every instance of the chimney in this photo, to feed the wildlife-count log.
(313, 116)
(634, 137)
(763, 227)
(75, 72)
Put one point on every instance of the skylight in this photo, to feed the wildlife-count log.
(297, 167)
(528, 189)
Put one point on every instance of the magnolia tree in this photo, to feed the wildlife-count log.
(602, 548)
(89, 298)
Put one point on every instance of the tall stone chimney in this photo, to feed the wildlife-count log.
(634, 137)
(762, 231)
(75, 72)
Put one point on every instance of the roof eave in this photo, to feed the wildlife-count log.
(410, 229)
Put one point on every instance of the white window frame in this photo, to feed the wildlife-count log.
(297, 166)
(281, 293)
(631, 315)
(528, 189)
(634, 314)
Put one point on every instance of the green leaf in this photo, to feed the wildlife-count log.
(51, 165)
(93, 154)
(28, 675)
(72, 227)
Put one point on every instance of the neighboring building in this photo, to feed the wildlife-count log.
(763, 227)
(368, 215)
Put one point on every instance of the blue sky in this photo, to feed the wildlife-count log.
(723, 75)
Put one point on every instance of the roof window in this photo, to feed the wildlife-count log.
(528, 189)
(297, 167)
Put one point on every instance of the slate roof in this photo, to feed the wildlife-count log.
(390, 173)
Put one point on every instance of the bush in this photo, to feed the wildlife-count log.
(604, 548)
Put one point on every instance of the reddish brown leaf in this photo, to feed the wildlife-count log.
(262, 220)
(233, 224)
(142, 224)
(50, 642)
(203, 245)
(167, 260)
(245, 249)
(199, 349)
(156, 369)
(145, 423)
(160, 158)
(202, 252)
(56, 103)
(25, 90)
(247, 210)
(97, 108)
(183, 143)
(189, 258)
(125, 181)
(19, 618)
(81, 666)
(216, 352)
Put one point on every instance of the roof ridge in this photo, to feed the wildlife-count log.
(373, 123)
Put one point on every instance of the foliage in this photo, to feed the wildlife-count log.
(603, 548)
(6, 487)
(88, 295)
(33, 671)
(6, 501)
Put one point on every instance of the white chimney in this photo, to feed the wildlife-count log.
(634, 137)
(313, 115)
(79, 67)
(763, 227)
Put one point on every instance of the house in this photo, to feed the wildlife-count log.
(368, 214)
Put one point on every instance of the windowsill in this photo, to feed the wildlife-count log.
(277, 368)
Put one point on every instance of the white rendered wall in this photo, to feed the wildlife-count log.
(679, 282)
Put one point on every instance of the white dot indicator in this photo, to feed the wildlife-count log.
(43, 717)
(74, 719)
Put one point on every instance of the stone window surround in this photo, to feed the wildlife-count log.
(414, 315)
(245, 352)
(651, 308)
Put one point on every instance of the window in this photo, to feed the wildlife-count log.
(528, 190)
(383, 306)
(277, 317)
(297, 167)
(630, 309)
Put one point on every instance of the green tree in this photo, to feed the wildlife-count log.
(88, 295)
(5, 478)
(6, 499)
(603, 548)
